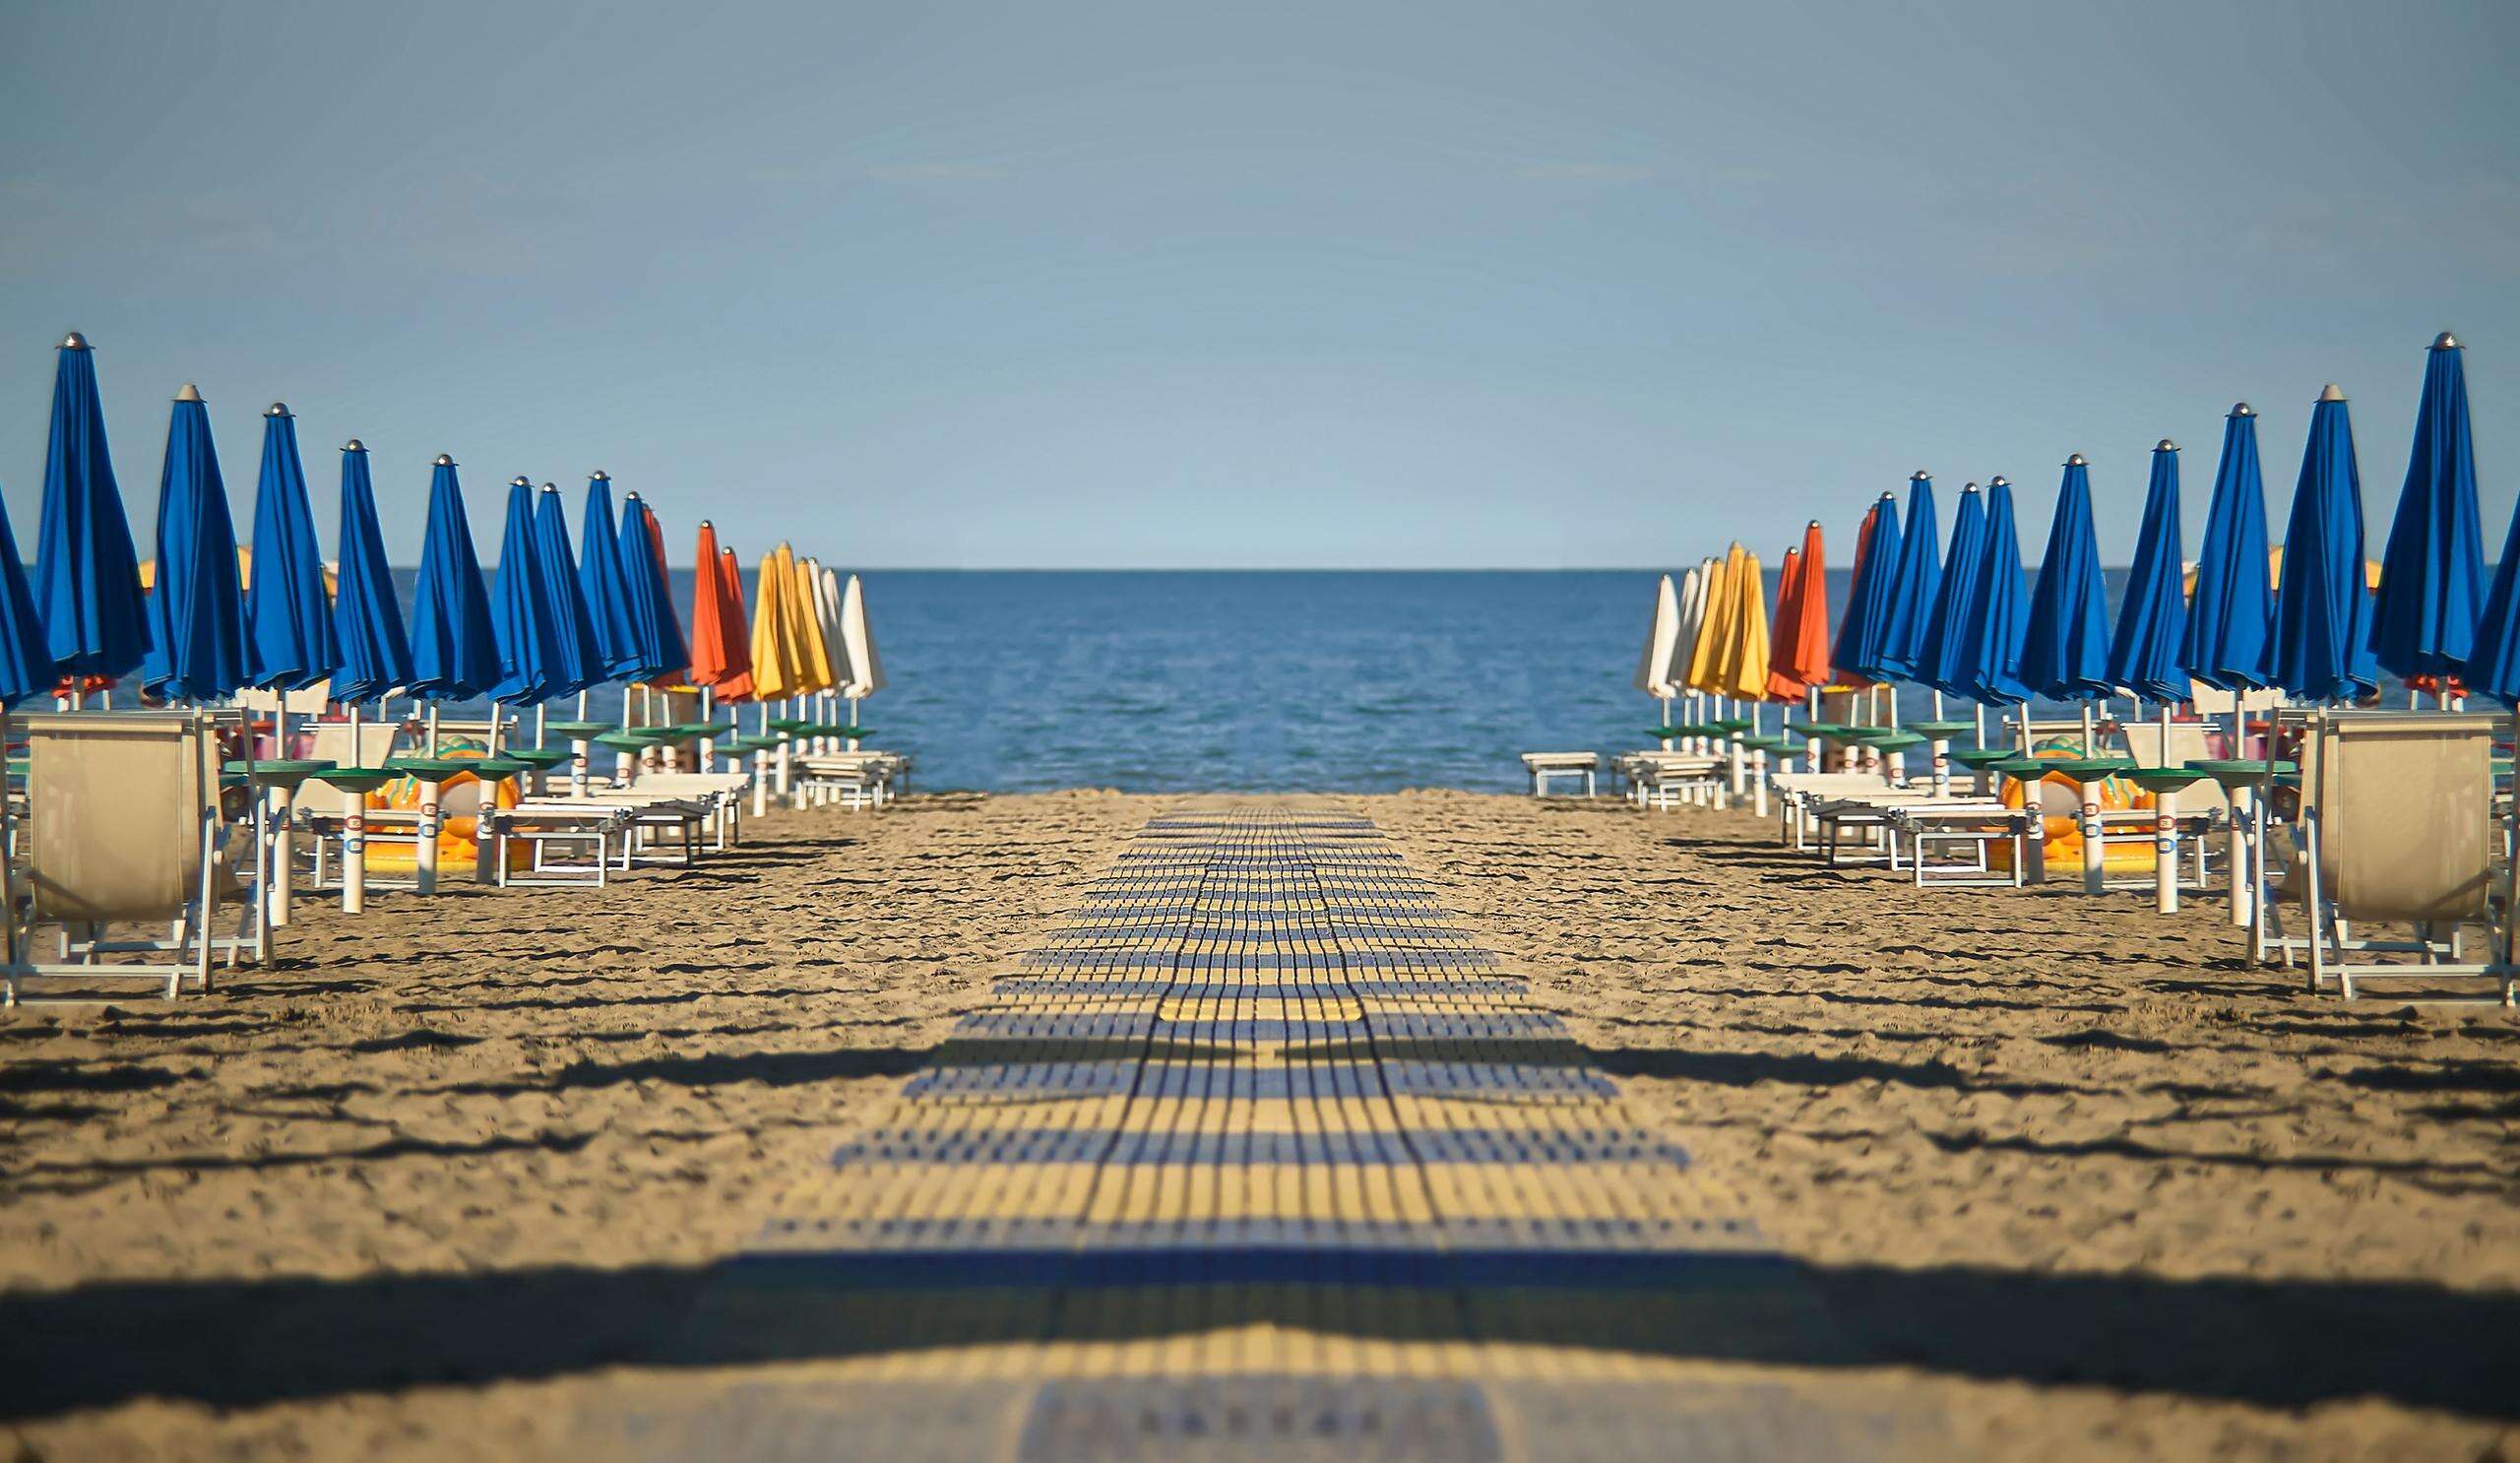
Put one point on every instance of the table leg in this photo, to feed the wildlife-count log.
(425, 852)
(283, 856)
(353, 852)
(2094, 845)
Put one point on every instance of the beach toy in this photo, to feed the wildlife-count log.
(2068, 786)
(446, 791)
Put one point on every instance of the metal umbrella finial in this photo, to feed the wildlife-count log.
(2331, 392)
(520, 481)
(2077, 461)
(2446, 342)
(74, 341)
(1968, 487)
(2165, 445)
(1920, 475)
(442, 460)
(188, 391)
(353, 445)
(601, 475)
(1999, 480)
(277, 408)
(2243, 408)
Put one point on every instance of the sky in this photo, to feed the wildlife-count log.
(1318, 284)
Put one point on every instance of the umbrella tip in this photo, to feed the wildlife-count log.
(601, 475)
(2165, 445)
(188, 391)
(2243, 408)
(2331, 392)
(2442, 342)
(277, 408)
(1920, 475)
(550, 487)
(704, 523)
(353, 445)
(2077, 461)
(1969, 487)
(74, 341)
(1999, 480)
(442, 460)
(520, 481)
(1813, 524)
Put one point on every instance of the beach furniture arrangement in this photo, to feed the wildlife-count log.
(2372, 847)
(357, 774)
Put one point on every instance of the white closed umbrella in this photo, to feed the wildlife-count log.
(865, 667)
(1654, 667)
(1693, 586)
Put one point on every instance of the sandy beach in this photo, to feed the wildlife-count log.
(2074, 1178)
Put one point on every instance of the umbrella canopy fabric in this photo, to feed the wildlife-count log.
(774, 639)
(1943, 652)
(368, 615)
(827, 614)
(1744, 667)
(865, 666)
(2424, 619)
(736, 684)
(2494, 661)
(2152, 622)
(1693, 586)
(718, 650)
(86, 576)
(655, 632)
(1876, 578)
(197, 610)
(1706, 647)
(2230, 612)
(2064, 652)
(1992, 669)
(815, 669)
(1798, 653)
(26, 660)
(600, 582)
(455, 653)
(2323, 605)
(530, 655)
(288, 620)
(1662, 633)
(1912, 595)
(580, 662)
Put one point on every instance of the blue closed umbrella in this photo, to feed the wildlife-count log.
(289, 623)
(196, 611)
(2231, 616)
(1946, 638)
(2493, 662)
(2424, 619)
(368, 615)
(2323, 605)
(1858, 649)
(1912, 596)
(1992, 673)
(581, 660)
(26, 662)
(2152, 621)
(529, 652)
(454, 657)
(2064, 651)
(607, 598)
(643, 573)
(87, 578)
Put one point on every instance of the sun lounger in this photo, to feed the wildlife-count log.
(1660, 780)
(1544, 767)
(123, 826)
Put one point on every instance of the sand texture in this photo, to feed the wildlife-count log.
(2072, 1179)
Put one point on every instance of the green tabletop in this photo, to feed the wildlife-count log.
(277, 772)
(1697, 729)
(429, 769)
(1865, 734)
(544, 757)
(736, 746)
(1732, 724)
(790, 723)
(2164, 779)
(712, 730)
(357, 779)
(1665, 734)
(633, 739)
(577, 730)
(502, 766)
(1816, 729)
(1976, 757)
(1766, 743)
(1895, 740)
(2093, 769)
(2240, 772)
(2027, 769)
(1938, 730)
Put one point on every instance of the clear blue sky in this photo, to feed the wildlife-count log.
(1180, 284)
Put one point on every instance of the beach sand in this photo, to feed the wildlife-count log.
(2074, 1178)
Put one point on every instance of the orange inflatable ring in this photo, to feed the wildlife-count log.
(2060, 801)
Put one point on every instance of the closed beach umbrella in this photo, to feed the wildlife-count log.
(2064, 651)
(1662, 633)
(288, 619)
(773, 642)
(2323, 606)
(815, 669)
(608, 597)
(653, 629)
(1744, 674)
(1693, 586)
(2144, 655)
(736, 683)
(2424, 619)
(455, 654)
(529, 652)
(1798, 654)
(1706, 649)
(865, 666)
(368, 615)
(1944, 652)
(86, 577)
(827, 611)
(1995, 624)
(196, 611)
(2230, 614)
(26, 660)
(1876, 577)
(718, 650)
(580, 662)
(2493, 662)
(1913, 594)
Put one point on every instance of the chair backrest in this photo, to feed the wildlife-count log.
(2209, 701)
(2405, 808)
(115, 806)
(330, 741)
(2187, 742)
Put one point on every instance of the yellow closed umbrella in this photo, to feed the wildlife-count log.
(1705, 657)
(774, 641)
(813, 652)
(1745, 650)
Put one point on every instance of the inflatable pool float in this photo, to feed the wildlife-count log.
(459, 821)
(2061, 801)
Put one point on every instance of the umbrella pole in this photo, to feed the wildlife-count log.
(2090, 732)
(2034, 808)
(708, 744)
(432, 743)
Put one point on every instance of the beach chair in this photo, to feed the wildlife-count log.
(1545, 767)
(123, 826)
(2394, 827)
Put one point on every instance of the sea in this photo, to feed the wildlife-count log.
(1248, 680)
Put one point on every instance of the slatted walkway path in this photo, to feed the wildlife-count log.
(1259, 1156)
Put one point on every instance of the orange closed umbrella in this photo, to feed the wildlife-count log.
(1798, 656)
(738, 682)
(718, 647)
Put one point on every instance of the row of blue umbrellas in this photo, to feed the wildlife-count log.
(1961, 624)
(557, 622)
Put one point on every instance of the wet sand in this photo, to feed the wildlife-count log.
(2077, 1180)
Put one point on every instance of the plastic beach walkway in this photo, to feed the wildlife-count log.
(1258, 1155)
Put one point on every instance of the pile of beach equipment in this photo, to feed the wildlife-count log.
(231, 722)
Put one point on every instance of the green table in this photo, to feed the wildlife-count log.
(430, 773)
(354, 784)
(275, 839)
(2235, 775)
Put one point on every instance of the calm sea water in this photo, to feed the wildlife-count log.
(1332, 681)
